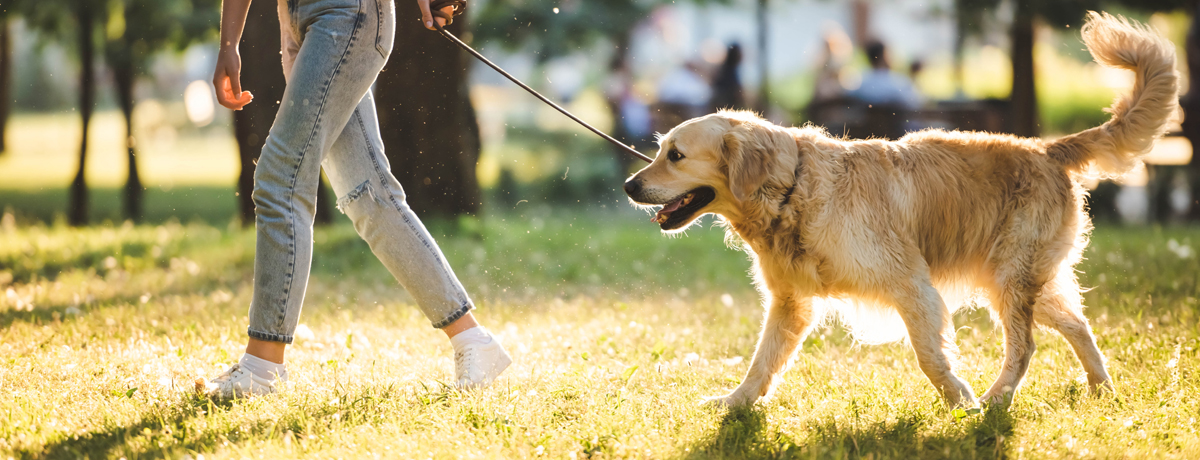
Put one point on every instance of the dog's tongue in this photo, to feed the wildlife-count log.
(666, 210)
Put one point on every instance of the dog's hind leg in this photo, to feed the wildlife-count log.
(931, 331)
(1013, 298)
(788, 321)
(1060, 307)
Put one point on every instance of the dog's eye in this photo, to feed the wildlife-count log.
(674, 155)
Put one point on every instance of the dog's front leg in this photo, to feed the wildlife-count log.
(788, 321)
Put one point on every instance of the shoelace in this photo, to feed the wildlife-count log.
(461, 359)
(229, 374)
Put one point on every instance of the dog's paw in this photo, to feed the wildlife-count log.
(1102, 387)
(728, 401)
(996, 399)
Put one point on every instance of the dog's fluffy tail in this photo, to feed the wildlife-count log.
(1139, 118)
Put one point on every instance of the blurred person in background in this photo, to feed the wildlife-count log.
(332, 52)
(727, 90)
(882, 86)
(631, 116)
(683, 94)
(836, 50)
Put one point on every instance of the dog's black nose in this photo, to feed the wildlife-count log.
(632, 187)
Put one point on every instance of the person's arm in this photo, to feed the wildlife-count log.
(228, 76)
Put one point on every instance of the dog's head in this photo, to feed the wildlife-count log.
(712, 164)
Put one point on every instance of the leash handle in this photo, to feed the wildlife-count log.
(435, 8)
(451, 37)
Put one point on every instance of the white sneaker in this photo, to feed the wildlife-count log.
(235, 382)
(477, 365)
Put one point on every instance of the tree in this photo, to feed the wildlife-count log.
(1066, 14)
(1191, 108)
(260, 45)
(77, 18)
(1023, 117)
(430, 134)
(5, 77)
(134, 31)
(85, 16)
(764, 86)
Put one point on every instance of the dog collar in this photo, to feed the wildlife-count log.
(787, 196)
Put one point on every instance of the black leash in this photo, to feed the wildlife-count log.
(459, 7)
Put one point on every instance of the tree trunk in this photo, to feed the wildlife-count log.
(260, 46)
(124, 76)
(1024, 94)
(77, 212)
(961, 19)
(860, 19)
(5, 80)
(764, 86)
(429, 130)
(324, 214)
(1191, 109)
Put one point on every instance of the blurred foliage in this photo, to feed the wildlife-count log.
(135, 29)
(167, 22)
(132, 29)
(1058, 13)
(570, 169)
(557, 27)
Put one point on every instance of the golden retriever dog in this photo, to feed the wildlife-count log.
(903, 229)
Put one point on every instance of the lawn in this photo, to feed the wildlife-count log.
(617, 334)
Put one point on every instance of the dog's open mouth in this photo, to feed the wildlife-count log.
(680, 211)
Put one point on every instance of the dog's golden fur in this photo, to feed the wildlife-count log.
(899, 228)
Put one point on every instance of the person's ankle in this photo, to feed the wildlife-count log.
(264, 369)
(476, 335)
(464, 323)
(266, 350)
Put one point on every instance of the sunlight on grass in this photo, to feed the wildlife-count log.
(616, 333)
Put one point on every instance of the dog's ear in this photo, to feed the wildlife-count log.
(748, 158)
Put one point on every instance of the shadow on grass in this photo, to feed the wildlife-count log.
(158, 434)
(746, 433)
(211, 204)
(46, 313)
(196, 424)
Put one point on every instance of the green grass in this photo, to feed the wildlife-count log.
(617, 334)
(216, 205)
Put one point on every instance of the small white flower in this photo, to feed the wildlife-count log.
(304, 333)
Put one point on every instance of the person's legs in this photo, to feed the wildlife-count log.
(374, 200)
(333, 68)
(331, 58)
(372, 197)
(336, 60)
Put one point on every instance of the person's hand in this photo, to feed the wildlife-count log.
(228, 80)
(427, 17)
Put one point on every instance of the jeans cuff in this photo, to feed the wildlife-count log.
(466, 307)
(269, 337)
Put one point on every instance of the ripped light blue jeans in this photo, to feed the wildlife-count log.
(332, 52)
